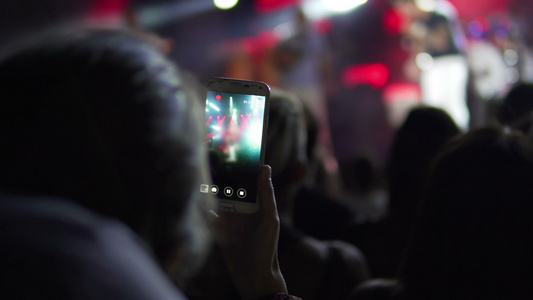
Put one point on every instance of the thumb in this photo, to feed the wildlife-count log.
(267, 200)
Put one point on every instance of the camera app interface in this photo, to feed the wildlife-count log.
(234, 133)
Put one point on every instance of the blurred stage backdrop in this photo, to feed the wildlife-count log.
(358, 65)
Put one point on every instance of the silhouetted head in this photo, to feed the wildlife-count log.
(415, 144)
(516, 110)
(100, 118)
(286, 139)
(474, 237)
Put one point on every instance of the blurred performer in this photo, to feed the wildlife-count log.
(302, 60)
(444, 72)
(295, 61)
(520, 13)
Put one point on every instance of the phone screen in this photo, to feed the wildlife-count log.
(234, 135)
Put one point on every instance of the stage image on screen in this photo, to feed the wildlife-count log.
(234, 133)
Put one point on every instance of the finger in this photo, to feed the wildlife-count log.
(213, 219)
(267, 200)
(212, 216)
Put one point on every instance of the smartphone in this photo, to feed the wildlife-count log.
(236, 116)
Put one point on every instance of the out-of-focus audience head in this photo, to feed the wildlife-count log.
(516, 111)
(317, 175)
(417, 141)
(474, 236)
(375, 289)
(314, 269)
(26, 16)
(415, 144)
(98, 117)
(364, 175)
(286, 139)
(312, 126)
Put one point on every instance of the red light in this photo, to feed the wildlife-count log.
(268, 39)
(375, 74)
(106, 8)
(403, 91)
(250, 44)
(323, 26)
(268, 6)
(484, 23)
(218, 97)
(245, 123)
(220, 121)
(393, 21)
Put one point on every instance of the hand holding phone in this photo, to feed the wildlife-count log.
(236, 116)
(249, 245)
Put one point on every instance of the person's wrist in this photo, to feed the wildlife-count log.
(263, 286)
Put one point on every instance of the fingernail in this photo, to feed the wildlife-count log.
(268, 174)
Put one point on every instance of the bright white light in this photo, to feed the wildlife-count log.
(424, 61)
(225, 4)
(341, 6)
(214, 106)
(158, 15)
(512, 75)
(426, 5)
(316, 9)
(283, 31)
(511, 57)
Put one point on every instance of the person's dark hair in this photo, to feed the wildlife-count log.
(416, 142)
(312, 129)
(375, 289)
(364, 173)
(517, 108)
(101, 118)
(474, 236)
(286, 137)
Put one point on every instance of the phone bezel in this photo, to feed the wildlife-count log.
(242, 86)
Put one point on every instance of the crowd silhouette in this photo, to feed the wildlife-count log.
(102, 156)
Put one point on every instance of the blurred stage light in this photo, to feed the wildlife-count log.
(284, 30)
(512, 75)
(393, 21)
(424, 61)
(341, 6)
(426, 5)
(317, 9)
(403, 91)
(214, 106)
(107, 8)
(511, 57)
(400, 98)
(159, 14)
(475, 29)
(374, 74)
(268, 6)
(225, 4)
